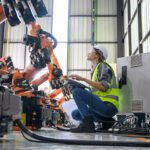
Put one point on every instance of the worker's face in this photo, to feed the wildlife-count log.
(92, 55)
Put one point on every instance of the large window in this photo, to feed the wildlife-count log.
(136, 26)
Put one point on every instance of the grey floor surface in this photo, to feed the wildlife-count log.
(15, 141)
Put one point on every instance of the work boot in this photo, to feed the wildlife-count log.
(108, 124)
(87, 126)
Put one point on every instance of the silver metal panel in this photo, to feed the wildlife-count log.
(80, 29)
(80, 7)
(107, 7)
(15, 105)
(77, 56)
(134, 34)
(6, 102)
(11, 104)
(106, 29)
(137, 106)
(136, 61)
(138, 84)
(17, 52)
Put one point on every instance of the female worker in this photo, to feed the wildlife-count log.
(102, 101)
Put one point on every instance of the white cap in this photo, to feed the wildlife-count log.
(103, 50)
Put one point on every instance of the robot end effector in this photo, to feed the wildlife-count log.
(12, 10)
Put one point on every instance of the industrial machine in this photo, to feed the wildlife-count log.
(134, 84)
(18, 86)
(10, 110)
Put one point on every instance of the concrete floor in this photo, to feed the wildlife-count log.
(15, 141)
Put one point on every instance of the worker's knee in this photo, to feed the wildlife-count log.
(76, 115)
(76, 91)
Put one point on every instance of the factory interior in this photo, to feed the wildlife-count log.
(73, 74)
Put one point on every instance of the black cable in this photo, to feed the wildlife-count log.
(63, 129)
(49, 35)
(81, 142)
(37, 141)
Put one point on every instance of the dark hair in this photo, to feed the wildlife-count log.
(100, 54)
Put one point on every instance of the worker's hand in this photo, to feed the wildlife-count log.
(76, 77)
(65, 77)
(33, 29)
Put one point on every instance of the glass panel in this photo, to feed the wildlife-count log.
(80, 7)
(14, 34)
(60, 20)
(77, 56)
(145, 17)
(106, 29)
(107, 7)
(134, 34)
(133, 4)
(17, 52)
(126, 45)
(61, 54)
(45, 23)
(125, 18)
(49, 7)
(146, 45)
(80, 29)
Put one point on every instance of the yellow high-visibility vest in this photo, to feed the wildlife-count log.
(111, 95)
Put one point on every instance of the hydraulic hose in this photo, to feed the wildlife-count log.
(63, 129)
(50, 36)
(80, 142)
(54, 40)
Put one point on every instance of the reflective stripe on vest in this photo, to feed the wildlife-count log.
(111, 95)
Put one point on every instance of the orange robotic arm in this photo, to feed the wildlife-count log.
(44, 45)
(54, 93)
(3, 67)
(16, 76)
(47, 76)
(2, 15)
(55, 60)
(40, 80)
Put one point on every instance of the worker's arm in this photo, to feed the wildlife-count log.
(94, 84)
